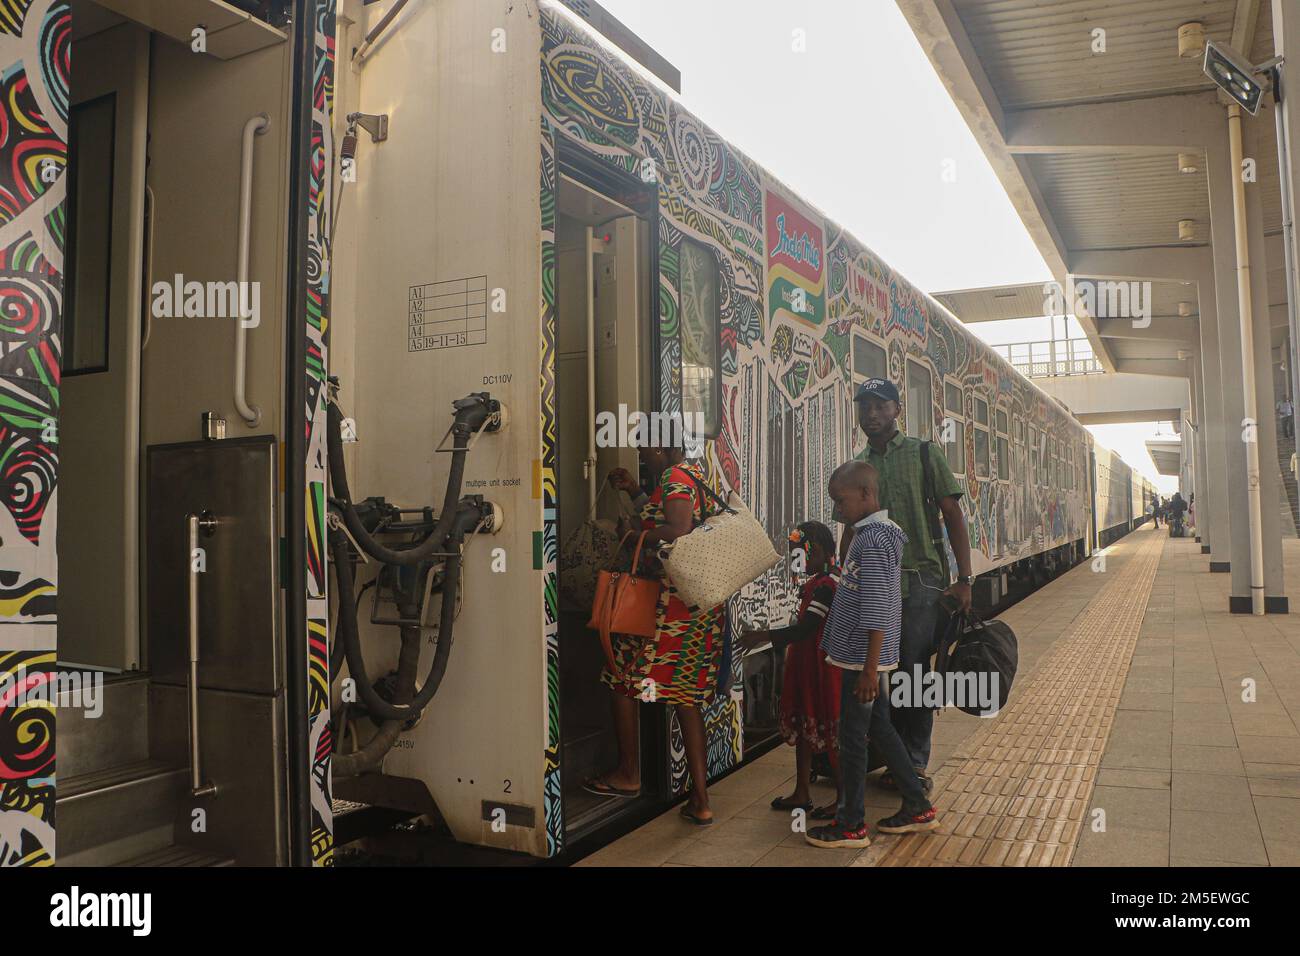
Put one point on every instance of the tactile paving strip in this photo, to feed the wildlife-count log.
(1018, 792)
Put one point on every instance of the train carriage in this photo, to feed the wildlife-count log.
(715, 293)
(489, 232)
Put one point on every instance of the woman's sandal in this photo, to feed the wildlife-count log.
(785, 803)
(698, 821)
(601, 788)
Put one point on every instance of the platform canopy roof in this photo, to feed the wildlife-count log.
(1167, 454)
(1057, 120)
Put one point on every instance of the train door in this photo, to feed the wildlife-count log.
(602, 377)
(100, 413)
(168, 538)
(1094, 517)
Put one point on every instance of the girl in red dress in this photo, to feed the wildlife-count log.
(810, 693)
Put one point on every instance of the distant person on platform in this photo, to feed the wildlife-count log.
(1286, 415)
(901, 464)
(1177, 507)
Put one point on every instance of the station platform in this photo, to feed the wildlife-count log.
(1129, 739)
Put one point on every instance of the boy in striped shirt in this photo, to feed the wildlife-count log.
(862, 637)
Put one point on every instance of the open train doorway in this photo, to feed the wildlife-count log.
(168, 535)
(100, 397)
(603, 372)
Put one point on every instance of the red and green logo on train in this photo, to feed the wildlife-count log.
(796, 263)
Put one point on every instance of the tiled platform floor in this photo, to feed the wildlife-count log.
(1144, 722)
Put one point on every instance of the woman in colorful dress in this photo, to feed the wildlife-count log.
(810, 689)
(681, 663)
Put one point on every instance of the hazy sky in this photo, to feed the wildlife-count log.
(861, 126)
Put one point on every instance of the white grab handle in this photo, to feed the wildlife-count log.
(256, 126)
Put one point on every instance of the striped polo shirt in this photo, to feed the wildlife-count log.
(869, 597)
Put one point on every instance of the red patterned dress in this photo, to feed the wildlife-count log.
(810, 691)
(680, 664)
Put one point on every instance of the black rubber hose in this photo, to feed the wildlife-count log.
(337, 651)
(377, 706)
(375, 749)
(337, 648)
(342, 496)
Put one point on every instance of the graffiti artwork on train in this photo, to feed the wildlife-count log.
(796, 342)
(26, 760)
(35, 42)
(317, 331)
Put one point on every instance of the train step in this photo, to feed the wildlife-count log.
(177, 856)
(117, 813)
(110, 731)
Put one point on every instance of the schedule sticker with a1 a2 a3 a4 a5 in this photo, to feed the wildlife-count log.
(447, 315)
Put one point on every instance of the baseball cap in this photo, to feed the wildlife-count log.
(881, 388)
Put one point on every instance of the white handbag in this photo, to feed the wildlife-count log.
(722, 555)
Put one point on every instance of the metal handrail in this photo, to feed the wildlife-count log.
(256, 126)
(207, 525)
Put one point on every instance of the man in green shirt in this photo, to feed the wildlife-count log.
(898, 461)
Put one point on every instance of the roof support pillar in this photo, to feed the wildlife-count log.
(1194, 431)
(1212, 512)
(1270, 475)
(1219, 173)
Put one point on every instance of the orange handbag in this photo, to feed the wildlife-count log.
(625, 603)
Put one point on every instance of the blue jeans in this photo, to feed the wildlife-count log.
(860, 723)
(920, 614)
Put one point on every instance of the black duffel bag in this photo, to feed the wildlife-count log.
(982, 657)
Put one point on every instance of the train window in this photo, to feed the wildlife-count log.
(920, 401)
(1036, 451)
(90, 235)
(955, 437)
(1004, 459)
(701, 335)
(982, 467)
(1002, 422)
(869, 360)
(982, 451)
(1069, 471)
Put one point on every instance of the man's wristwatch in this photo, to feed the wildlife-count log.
(966, 579)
